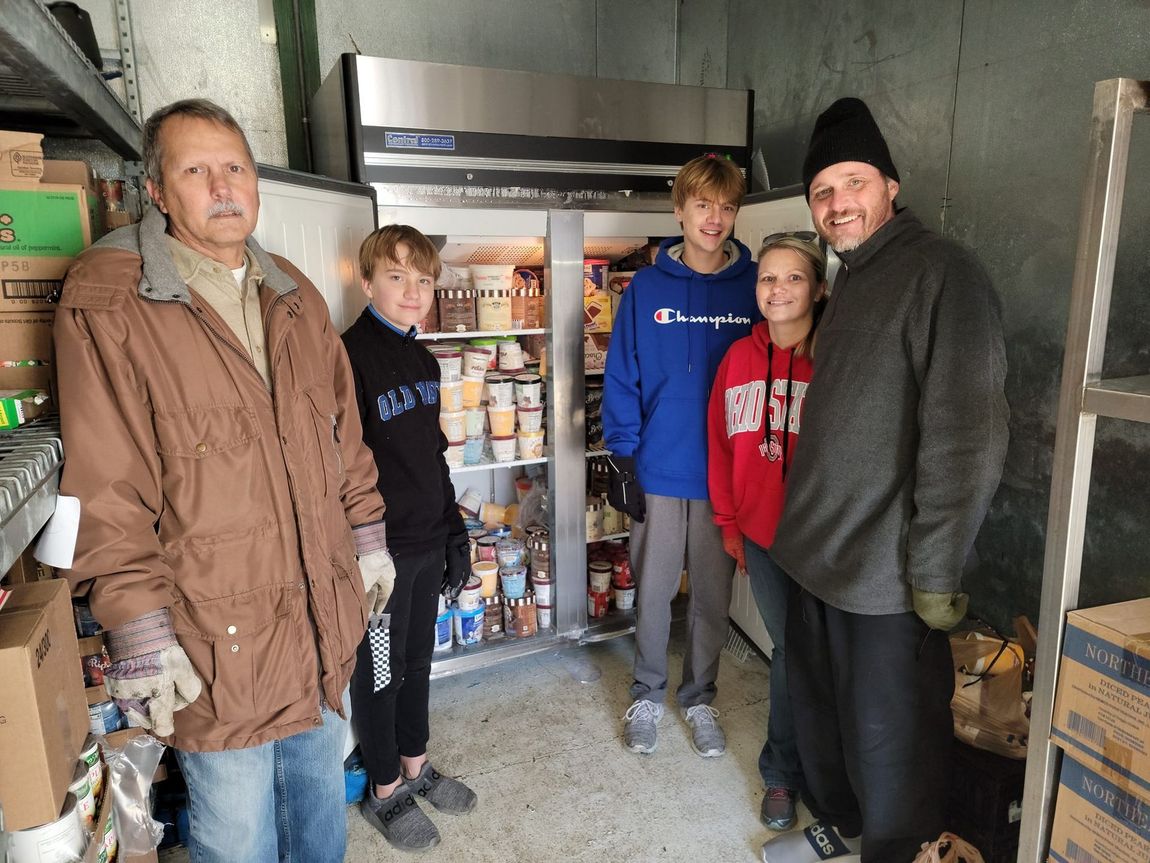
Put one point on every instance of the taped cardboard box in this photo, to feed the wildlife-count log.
(43, 714)
(26, 353)
(21, 157)
(1102, 704)
(42, 229)
(1099, 817)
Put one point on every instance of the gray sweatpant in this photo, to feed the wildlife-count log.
(678, 529)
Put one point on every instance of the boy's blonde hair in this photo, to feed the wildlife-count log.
(381, 245)
(712, 177)
(809, 251)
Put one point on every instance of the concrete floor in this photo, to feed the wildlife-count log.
(543, 751)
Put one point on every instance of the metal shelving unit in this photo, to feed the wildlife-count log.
(1084, 396)
(30, 460)
(47, 85)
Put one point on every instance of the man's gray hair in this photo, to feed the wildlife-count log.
(202, 109)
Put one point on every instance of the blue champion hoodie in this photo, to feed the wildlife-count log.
(672, 330)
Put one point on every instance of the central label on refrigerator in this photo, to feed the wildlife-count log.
(415, 141)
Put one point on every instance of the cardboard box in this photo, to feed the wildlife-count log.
(26, 356)
(1102, 705)
(27, 568)
(616, 284)
(595, 351)
(21, 158)
(1099, 818)
(43, 715)
(597, 313)
(42, 228)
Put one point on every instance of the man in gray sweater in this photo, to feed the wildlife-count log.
(904, 436)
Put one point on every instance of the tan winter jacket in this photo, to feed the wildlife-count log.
(202, 492)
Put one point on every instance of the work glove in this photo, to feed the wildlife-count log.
(941, 611)
(375, 564)
(625, 493)
(733, 545)
(150, 677)
(458, 566)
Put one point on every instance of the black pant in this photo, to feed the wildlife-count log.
(871, 698)
(393, 721)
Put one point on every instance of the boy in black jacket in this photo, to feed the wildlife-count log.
(397, 389)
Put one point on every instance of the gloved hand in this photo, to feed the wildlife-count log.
(625, 493)
(458, 566)
(733, 545)
(150, 676)
(375, 564)
(940, 611)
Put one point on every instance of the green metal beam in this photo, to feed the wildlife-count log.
(298, 46)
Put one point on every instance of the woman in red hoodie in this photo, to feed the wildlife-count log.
(754, 418)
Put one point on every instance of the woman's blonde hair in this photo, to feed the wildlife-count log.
(381, 245)
(810, 252)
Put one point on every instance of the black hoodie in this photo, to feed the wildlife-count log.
(397, 389)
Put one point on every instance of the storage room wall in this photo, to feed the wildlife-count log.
(987, 106)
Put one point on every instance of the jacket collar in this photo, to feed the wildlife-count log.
(160, 278)
(904, 222)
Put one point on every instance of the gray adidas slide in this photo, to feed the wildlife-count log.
(819, 841)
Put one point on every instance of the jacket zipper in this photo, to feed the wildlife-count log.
(335, 443)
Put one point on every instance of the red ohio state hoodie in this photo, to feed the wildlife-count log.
(745, 475)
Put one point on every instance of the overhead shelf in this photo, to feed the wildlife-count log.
(47, 85)
(30, 460)
(1121, 398)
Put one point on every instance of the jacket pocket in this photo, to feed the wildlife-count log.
(327, 438)
(666, 440)
(350, 608)
(246, 648)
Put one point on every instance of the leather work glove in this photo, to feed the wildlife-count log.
(375, 564)
(458, 566)
(625, 493)
(733, 545)
(150, 677)
(941, 611)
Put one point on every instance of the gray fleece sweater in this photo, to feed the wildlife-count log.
(904, 425)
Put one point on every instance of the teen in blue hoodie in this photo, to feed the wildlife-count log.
(675, 323)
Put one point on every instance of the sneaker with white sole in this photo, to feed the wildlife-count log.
(641, 733)
(707, 738)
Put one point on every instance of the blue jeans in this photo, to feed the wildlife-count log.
(281, 801)
(779, 761)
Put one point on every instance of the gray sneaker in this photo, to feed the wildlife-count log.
(400, 820)
(641, 733)
(707, 738)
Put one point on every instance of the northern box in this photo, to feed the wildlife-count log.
(43, 714)
(1099, 818)
(21, 157)
(42, 228)
(1102, 705)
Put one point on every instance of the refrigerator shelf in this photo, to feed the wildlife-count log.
(479, 334)
(521, 462)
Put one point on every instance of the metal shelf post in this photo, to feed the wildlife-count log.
(1083, 397)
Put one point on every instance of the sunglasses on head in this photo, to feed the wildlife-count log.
(809, 236)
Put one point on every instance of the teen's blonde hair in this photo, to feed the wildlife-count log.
(713, 178)
(381, 244)
(814, 256)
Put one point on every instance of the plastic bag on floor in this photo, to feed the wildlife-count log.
(990, 709)
(948, 848)
(130, 772)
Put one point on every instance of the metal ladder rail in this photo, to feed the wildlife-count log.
(1083, 397)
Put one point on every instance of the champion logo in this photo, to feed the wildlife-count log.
(674, 316)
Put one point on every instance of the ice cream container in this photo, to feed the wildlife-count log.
(470, 501)
(597, 603)
(473, 450)
(492, 513)
(486, 547)
(452, 424)
(599, 575)
(443, 631)
(454, 454)
(450, 364)
(529, 390)
(470, 597)
(625, 598)
(510, 356)
(531, 444)
(543, 613)
(451, 396)
(514, 581)
(503, 446)
(500, 392)
(472, 391)
(510, 552)
(488, 573)
(475, 421)
(542, 583)
(468, 624)
(519, 618)
(475, 361)
(530, 419)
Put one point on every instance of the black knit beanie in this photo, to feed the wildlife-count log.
(846, 132)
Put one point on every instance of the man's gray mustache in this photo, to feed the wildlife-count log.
(225, 208)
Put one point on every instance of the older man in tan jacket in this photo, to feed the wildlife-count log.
(228, 505)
